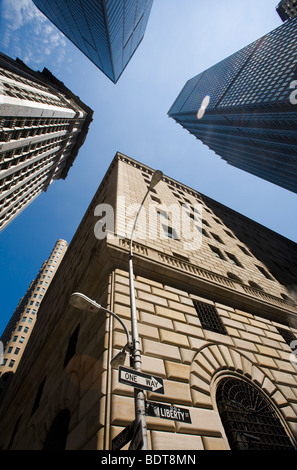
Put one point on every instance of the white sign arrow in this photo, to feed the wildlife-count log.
(140, 380)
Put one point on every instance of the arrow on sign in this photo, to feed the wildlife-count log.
(140, 380)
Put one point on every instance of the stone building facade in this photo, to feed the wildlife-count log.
(42, 127)
(215, 323)
(16, 335)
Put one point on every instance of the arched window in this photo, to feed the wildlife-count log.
(57, 435)
(249, 419)
(254, 284)
(233, 276)
(71, 349)
(38, 396)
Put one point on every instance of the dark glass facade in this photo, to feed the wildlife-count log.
(108, 32)
(287, 9)
(251, 116)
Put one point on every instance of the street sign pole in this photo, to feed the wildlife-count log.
(139, 402)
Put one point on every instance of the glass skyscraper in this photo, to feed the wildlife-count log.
(108, 32)
(287, 9)
(245, 107)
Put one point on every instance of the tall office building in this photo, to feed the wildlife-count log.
(287, 9)
(245, 107)
(42, 127)
(16, 335)
(108, 32)
(216, 323)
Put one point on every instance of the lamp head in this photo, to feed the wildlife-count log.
(118, 360)
(82, 302)
(157, 176)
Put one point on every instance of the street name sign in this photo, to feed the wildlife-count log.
(140, 380)
(137, 440)
(124, 437)
(160, 410)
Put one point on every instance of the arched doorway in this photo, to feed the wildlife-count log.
(57, 435)
(249, 419)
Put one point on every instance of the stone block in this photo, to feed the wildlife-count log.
(176, 371)
(156, 320)
(166, 294)
(176, 339)
(122, 299)
(214, 443)
(243, 345)
(200, 380)
(201, 400)
(187, 355)
(148, 281)
(145, 306)
(284, 378)
(146, 331)
(171, 441)
(153, 299)
(161, 350)
(264, 350)
(122, 410)
(204, 423)
(168, 313)
(213, 337)
(153, 365)
(176, 291)
(182, 308)
(177, 393)
(122, 310)
(265, 361)
(196, 344)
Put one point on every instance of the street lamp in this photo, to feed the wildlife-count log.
(82, 302)
(139, 401)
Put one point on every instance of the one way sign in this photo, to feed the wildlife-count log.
(140, 380)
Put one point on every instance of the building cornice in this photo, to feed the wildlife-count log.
(178, 273)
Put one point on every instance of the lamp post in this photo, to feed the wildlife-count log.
(82, 302)
(139, 401)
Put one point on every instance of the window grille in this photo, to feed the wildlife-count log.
(209, 317)
(249, 420)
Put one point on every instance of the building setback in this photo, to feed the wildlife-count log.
(108, 32)
(245, 107)
(216, 324)
(16, 335)
(42, 127)
(287, 9)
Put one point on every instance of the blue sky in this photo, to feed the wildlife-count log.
(182, 39)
